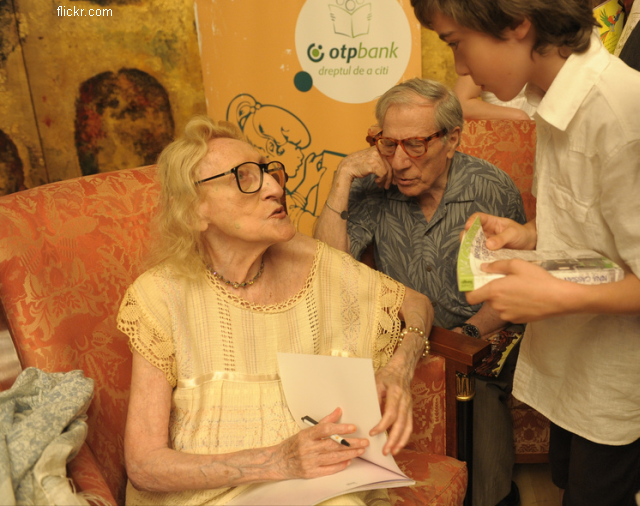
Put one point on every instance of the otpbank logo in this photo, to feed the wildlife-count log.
(352, 50)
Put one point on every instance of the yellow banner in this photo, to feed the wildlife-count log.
(300, 78)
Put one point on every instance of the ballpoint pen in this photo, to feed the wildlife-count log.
(310, 421)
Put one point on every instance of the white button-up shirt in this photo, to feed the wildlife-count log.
(583, 371)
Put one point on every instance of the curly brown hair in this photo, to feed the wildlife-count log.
(558, 23)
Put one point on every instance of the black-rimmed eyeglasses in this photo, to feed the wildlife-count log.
(249, 175)
(413, 147)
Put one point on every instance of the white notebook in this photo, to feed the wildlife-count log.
(314, 386)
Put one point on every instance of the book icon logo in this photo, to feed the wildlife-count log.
(349, 19)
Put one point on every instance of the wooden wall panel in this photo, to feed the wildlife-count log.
(21, 162)
(109, 91)
(437, 59)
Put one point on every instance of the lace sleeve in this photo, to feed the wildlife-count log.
(145, 336)
(389, 302)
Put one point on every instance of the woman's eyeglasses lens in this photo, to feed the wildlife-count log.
(250, 175)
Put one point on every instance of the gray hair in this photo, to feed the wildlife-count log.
(448, 111)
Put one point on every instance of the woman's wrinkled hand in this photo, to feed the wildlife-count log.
(394, 394)
(310, 453)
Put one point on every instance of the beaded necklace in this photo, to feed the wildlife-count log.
(235, 284)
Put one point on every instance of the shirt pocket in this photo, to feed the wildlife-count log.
(571, 217)
(567, 203)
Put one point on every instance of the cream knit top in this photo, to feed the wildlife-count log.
(218, 351)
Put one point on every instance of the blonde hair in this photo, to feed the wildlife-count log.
(179, 242)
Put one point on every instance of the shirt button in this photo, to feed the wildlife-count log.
(434, 303)
(429, 268)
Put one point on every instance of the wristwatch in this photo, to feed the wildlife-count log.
(470, 330)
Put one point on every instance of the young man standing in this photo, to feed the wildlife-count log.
(579, 360)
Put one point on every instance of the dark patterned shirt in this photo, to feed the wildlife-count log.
(423, 255)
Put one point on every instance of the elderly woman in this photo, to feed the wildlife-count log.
(233, 286)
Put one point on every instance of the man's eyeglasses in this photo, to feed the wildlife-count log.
(249, 175)
(414, 146)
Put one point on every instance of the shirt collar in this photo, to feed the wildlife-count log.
(570, 87)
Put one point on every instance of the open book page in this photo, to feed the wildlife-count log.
(579, 266)
(314, 386)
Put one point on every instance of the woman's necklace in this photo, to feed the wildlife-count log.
(235, 284)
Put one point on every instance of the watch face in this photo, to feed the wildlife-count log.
(471, 330)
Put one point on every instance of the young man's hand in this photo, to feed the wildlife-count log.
(505, 233)
(527, 293)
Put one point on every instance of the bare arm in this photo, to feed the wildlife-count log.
(394, 380)
(330, 227)
(152, 465)
(475, 108)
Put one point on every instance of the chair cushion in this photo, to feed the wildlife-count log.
(510, 146)
(440, 480)
(88, 480)
(530, 432)
(428, 393)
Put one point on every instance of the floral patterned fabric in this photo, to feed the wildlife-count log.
(440, 481)
(530, 432)
(510, 146)
(68, 251)
(42, 425)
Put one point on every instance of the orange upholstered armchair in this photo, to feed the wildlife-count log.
(69, 250)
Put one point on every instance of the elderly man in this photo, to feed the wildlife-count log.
(410, 195)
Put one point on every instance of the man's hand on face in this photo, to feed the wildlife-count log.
(363, 163)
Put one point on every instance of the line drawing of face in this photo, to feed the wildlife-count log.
(274, 131)
(280, 135)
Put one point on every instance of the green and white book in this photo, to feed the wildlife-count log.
(579, 266)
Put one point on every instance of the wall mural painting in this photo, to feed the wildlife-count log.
(122, 120)
(92, 86)
(21, 162)
(11, 168)
(280, 135)
(107, 3)
(7, 43)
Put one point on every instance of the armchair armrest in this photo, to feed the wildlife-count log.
(88, 479)
(462, 354)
